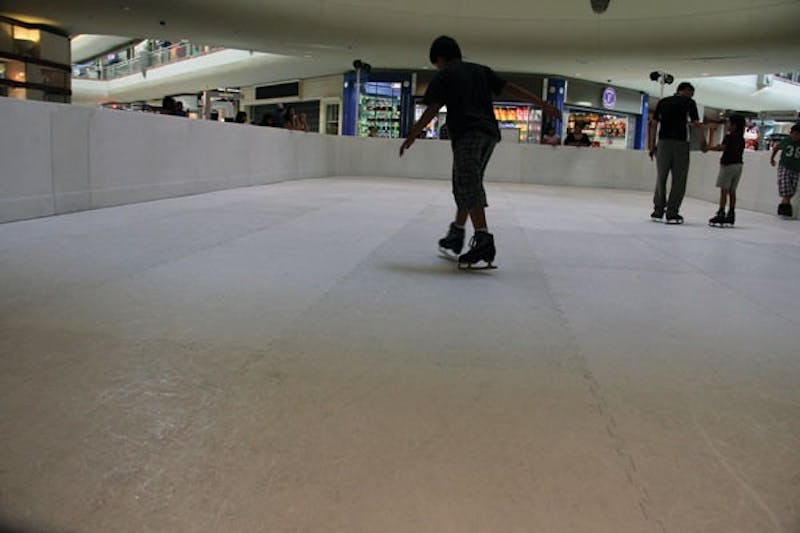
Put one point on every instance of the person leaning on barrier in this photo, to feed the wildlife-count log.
(576, 137)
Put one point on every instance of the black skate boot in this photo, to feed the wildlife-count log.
(785, 210)
(731, 218)
(481, 249)
(657, 215)
(674, 218)
(719, 219)
(453, 242)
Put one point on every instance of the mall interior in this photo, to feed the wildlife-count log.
(219, 315)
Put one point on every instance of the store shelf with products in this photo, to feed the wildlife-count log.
(377, 103)
(604, 130)
(379, 108)
(524, 118)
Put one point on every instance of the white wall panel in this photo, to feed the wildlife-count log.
(57, 158)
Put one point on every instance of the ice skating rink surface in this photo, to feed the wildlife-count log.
(297, 358)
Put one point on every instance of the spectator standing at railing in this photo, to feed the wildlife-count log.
(576, 137)
(267, 120)
(291, 121)
(279, 118)
(302, 122)
(168, 106)
(551, 137)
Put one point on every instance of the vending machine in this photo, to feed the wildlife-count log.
(378, 104)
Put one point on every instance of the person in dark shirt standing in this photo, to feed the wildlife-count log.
(730, 170)
(674, 114)
(467, 89)
(576, 137)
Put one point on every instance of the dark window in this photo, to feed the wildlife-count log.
(282, 90)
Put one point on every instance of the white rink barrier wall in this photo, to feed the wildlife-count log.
(57, 158)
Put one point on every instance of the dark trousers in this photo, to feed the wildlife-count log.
(671, 156)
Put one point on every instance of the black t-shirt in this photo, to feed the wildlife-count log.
(734, 147)
(467, 89)
(673, 113)
(572, 141)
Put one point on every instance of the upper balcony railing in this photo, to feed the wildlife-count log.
(789, 76)
(142, 62)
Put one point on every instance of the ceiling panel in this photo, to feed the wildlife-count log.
(686, 37)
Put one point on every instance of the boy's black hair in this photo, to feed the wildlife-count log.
(445, 47)
(796, 128)
(738, 121)
(685, 85)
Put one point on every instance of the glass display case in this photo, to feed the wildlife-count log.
(604, 130)
(379, 110)
(524, 118)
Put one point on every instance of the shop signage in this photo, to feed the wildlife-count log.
(609, 98)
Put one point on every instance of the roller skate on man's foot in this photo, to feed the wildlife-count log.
(674, 218)
(785, 210)
(481, 252)
(452, 243)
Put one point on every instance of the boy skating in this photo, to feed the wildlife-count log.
(730, 171)
(467, 89)
(788, 170)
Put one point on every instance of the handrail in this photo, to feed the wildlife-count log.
(791, 77)
(139, 64)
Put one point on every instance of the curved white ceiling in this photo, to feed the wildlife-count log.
(688, 38)
(87, 46)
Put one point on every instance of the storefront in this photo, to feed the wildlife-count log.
(518, 121)
(612, 117)
(378, 104)
(603, 129)
(319, 99)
